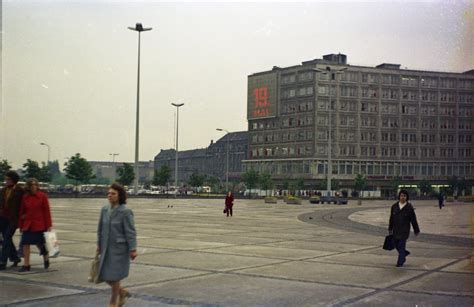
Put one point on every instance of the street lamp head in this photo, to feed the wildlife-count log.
(42, 143)
(177, 104)
(219, 129)
(139, 28)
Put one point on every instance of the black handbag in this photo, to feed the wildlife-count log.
(225, 211)
(389, 243)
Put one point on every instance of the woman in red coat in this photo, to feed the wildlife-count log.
(229, 203)
(34, 220)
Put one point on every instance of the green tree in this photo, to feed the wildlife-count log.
(126, 174)
(250, 178)
(162, 176)
(360, 184)
(425, 187)
(78, 169)
(45, 173)
(299, 185)
(196, 180)
(456, 185)
(266, 182)
(213, 182)
(31, 169)
(4, 167)
(395, 183)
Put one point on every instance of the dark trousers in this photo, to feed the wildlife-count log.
(8, 247)
(400, 245)
(229, 210)
(440, 203)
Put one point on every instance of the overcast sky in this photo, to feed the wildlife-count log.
(69, 68)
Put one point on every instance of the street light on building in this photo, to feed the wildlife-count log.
(177, 105)
(226, 159)
(138, 28)
(49, 151)
(332, 77)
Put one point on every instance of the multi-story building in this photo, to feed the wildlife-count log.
(383, 121)
(208, 161)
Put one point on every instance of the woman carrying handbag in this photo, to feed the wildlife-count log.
(116, 243)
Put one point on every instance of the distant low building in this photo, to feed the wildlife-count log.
(208, 161)
(107, 169)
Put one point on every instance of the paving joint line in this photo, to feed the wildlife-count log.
(391, 287)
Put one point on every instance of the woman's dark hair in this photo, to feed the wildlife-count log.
(29, 183)
(404, 192)
(121, 192)
(13, 176)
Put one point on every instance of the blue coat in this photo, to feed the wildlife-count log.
(116, 238)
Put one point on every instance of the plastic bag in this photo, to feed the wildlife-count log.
(52, 244)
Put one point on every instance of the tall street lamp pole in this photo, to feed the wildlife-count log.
(49, 150)
(139, 28)
(226, 160)
(332, 76)
(177, 105)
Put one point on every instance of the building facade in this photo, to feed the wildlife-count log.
(382, 122)
(208, 161)
(108, 169)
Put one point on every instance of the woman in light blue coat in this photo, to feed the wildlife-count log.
(116, 243)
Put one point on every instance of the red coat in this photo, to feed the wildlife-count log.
(229, 201)
(34, 212)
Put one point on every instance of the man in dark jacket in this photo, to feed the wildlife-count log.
(10, 200)
(402, 215)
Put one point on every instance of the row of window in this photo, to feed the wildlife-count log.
(366, 151)
(363, 167)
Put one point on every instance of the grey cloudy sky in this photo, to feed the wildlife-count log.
(69, 67)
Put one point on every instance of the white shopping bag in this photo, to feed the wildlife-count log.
(52, 244)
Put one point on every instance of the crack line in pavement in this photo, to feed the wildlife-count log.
(391, 287)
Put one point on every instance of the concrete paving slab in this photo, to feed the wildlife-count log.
(445, 252)
(17, 291)
(442, 283)
(321, 246)
(465, 266)
(180, 244)
(269, 252)
(235, 290)
(228, 239)
(336, 274)
(204, 261)
(396, 298)
(387, 261)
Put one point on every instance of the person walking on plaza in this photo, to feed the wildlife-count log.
(229, 203)
(116, 243)
(402, 214)
(10, 201)
(34, 220)
(440, 200)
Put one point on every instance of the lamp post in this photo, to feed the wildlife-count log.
(49, 150)
(332, 73)
(226, 160)
(113, 163)
(138, 28)
(177, 105)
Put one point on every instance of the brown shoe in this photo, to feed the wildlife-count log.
(124, 295)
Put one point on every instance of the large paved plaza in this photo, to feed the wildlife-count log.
(266, 255)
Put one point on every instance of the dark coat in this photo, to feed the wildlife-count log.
(35, 214)
(229, 201)
(400, 221)
(10, 207)
(116, 238)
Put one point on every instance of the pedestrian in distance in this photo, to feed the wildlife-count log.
(229, 203)
(440, 200)
(34, 220)
(116, 243)
(10, 201)
(402, 214)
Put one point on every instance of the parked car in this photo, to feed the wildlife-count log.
(337, 200)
